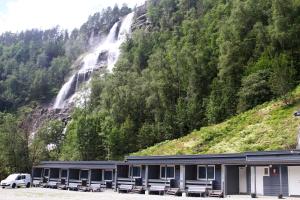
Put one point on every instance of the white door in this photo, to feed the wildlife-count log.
(260, 180)
(294, 180)
(243, 180)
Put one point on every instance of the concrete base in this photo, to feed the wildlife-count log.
(184, 194)
(147, 192)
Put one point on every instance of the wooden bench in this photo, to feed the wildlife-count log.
(83, 186)
(96, 187)
(72, 186)
(173, 191)
(137, 189)
(197, 189)
(215, 193)
(62, 185)
(52, 184)
(161, 189)
(36, 183)
(125, 188)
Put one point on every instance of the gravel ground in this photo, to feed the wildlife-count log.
(52, 194)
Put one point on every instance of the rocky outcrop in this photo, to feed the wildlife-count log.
(141, 21)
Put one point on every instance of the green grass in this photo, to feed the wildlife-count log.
(271, 126)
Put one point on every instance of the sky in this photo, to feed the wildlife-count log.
(18, 15)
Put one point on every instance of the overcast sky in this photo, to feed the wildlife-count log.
(18, 15)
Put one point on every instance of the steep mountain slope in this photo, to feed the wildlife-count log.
(271, 126)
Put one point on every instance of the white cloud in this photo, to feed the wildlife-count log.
(26, 14)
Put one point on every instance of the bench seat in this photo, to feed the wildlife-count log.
(161, 189)
(125, 187)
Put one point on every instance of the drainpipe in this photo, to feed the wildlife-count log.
(146, 179)
(223, 177)
(280, 182)
(206, 179)
(90, 177)
(166, 175)
(254, 194)
(116, 178)
(131, 173)
(146, 175)
(182, 180)
(68, 175)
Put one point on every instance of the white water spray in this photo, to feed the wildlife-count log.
(109, 49)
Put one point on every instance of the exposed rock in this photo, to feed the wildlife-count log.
(140, 19)
(102, 59)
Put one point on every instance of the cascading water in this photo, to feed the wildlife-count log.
(105, 54)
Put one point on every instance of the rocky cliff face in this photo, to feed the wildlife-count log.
(141, 21)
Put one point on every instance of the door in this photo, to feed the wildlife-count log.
(294, 180)
(242, 180)
(260, 180)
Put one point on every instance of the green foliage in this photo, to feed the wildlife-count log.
(14, 150)
(47, 141)
(271, 126)
(282, 79)
(255, 90)
(198, 63)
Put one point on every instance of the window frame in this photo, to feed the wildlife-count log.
(48, 172)
(166, 166)
(206, 178)
(268, 174)
(131, 171)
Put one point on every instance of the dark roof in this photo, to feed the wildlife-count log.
(234, 158)
(79, 164)
(273, 157)
(247, 158)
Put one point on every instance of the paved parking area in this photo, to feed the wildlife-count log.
(53, 194)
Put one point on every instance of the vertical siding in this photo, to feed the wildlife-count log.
(232, 180)
(143, 172)
(154, 171)
(123, 171)
(191, 172)
(272, 182)
(218, 182)
(248, 180)
(177, 176)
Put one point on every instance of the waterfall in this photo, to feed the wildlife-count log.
(105, 54)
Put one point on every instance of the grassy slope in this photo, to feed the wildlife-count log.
(271, 126)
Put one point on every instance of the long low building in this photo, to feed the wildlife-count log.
(270, 173)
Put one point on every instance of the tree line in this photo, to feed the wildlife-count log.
(197, 64)
(34, 64)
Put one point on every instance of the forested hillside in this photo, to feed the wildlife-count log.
(194, 63)
(34, 64)
(271, 126)
(197, 63)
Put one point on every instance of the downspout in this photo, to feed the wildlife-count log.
(280, 182)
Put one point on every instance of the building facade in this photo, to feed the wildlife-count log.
(272, 173)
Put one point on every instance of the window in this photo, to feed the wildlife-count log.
(19, 178)
(108, 175)
(201, 172)
(266, 171)
(23, 177)
(206, 172)
(84, 174)
(169, 171)
(135, 171)
(96, 175)
(211, 172)
(63, 173)
(46, 172)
